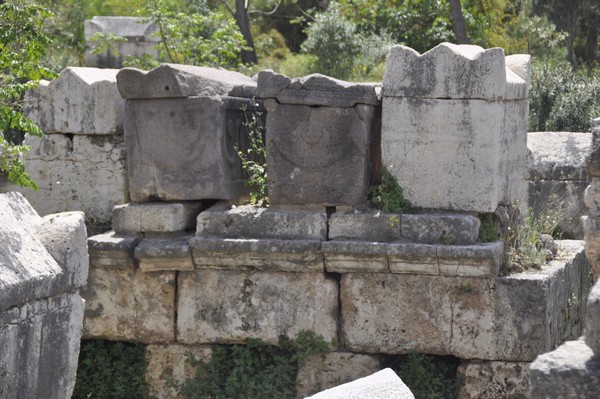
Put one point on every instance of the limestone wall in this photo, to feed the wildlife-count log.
(43, 263)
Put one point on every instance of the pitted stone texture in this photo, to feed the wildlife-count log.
(40, 347)
(316, 89)
(354, 256)
(380, 227)
(558, 155)
(494, 380)
(570, 372)
(169, 363)
(110, 250)
(593, 159)
(592, 198)
(320, 155)
(80, 101)
(185, 148)
(249, 221)
(317, 373)
(168, 253)
(155, 217)
(478, 260)
(129, 305)
(251, 254)
(223, 306)
(85, 173)
(410, 258)
(471, 318)
(454, 71)
(478, 148)
(174, 80)
(432, 228)
(591, 227)
(592, 320)
(384, 384)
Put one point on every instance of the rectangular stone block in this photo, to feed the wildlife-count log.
(320, 155)
(155, 217)
(354, 256)
(512, 318)
(110, 250)
(412, 258)
(252, 254)
(477, 260)
(164, 254)
(479, 148)
(249, 221)
(381, 227)
(493, 380)
(226, 306)
(185, 148)
(434, 228)
(130, 305)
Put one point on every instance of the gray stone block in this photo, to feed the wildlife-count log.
(354, 256)
(155, 217)
(569, 372)
(412, 258)
(592, 320)
(226, 306)
(252, 254)
(252, 222)
(493, 380)
(185, 148)
(111, 250)
(593, 159)
(316, 89)
(173, 80)
(558, 155)
(164, 254)
(380, 227)
(433, 228)
(479, 260)
(320, 155)
(384, 384)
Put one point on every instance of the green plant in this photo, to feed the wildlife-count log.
(465, 288)
(388, 196)
(254, 158)
(253, 370)
(448, 239)
(103, 42)
(488, 231)
(112, 370)
(427, 376)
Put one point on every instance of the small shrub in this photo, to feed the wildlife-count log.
(254, 159)
(112, 370)
(389, 196)
(488, 231)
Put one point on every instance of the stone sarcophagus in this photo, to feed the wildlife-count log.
(322, 139)
(182, 127)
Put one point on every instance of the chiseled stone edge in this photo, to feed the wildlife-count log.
(110, 250)
(164, 254)
(354, 256)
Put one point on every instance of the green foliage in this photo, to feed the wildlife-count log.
(22, 46)
(427, 376)
(104, 42)
(112, 370)
(488, 230)
(254, 159)
(562, 98)
(253, 370)
(388, 196)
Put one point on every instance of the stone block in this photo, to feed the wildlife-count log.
(110, 250)
(251, 254)
(169, 363)
(433, 228)
(591, 198)
(471, 156)
(317, 373)
(316, 89)
(413, 258)
(558, 155)
(380, 227)
(185, 148)
(80, 101)
(570, 372)
(85, 173)
(512, 318)
(494, 380)
(478, 260)
(592, 320)
(320, 155)
(225, 306)
(163, 254)
(593, 159)
(253, 222)
(155, 217)
(355, 256)
(40, 347)
(384, 384)
(592, 244)
(176, 81)
(129, 305)
(456, 72)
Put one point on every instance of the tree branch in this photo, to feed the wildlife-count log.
(228, 8)
(267, 13)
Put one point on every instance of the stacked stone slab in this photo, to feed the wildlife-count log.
(455, 126)
(140, 34)
(557, 177)
(43, 263)
(80, 162)
(322, 139)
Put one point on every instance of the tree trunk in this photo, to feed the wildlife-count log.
(458, 22)
(243, 22)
